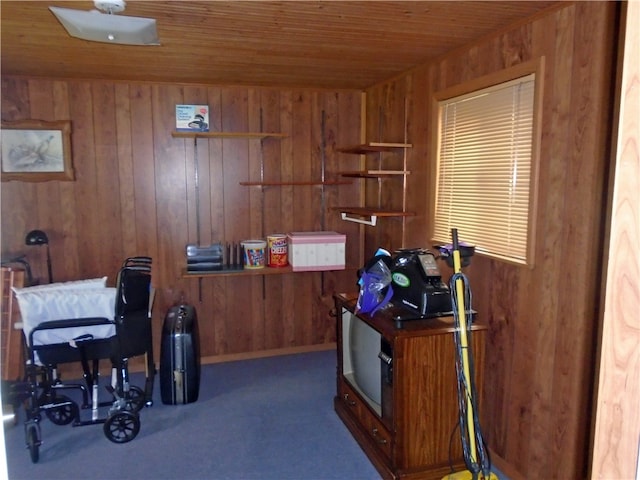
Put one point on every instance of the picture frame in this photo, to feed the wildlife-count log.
(36, 151)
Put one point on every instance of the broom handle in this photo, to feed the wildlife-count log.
(457, 268)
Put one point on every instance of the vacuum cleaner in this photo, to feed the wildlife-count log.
(474, 451)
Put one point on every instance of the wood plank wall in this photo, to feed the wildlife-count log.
(135, 194)
(543, 321)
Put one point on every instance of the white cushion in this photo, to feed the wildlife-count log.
(100, 282)
(44, 305)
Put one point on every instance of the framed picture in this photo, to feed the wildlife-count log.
(36, 151)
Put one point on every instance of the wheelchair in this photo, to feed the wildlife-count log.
(121, 330)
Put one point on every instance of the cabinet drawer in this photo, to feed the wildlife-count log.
(379, 433)
(375, 429)
(351, 399)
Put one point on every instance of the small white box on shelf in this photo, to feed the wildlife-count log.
(192, 118)
(316, 251)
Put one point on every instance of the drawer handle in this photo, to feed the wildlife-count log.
(349, 401)
(382, 441)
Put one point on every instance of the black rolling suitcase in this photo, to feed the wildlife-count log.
(180, 356)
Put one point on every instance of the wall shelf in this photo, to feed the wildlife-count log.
(278, 184)
(369, 215)
(253, 272)
(373, 147)
(374, 173)
(258, 135)
(366, 211)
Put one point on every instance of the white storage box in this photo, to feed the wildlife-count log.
(312, 251)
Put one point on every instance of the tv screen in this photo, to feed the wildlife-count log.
(361, 365)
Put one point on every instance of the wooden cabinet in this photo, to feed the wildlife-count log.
(408, 428)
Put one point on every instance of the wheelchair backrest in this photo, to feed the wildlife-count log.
(134, 286)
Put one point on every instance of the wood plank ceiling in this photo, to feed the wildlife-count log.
(318, 44)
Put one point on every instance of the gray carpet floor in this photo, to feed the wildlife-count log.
(264, 419)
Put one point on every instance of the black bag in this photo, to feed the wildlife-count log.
(180, 356)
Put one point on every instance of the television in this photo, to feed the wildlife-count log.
(366, 361)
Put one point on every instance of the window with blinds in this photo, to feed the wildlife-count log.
(484, 169)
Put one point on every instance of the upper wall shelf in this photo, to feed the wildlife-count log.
(373, 147)
(374, 173)
(227, 135)
(293, 183)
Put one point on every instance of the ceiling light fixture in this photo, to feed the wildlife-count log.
(108, 27)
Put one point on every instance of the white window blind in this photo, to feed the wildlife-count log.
(484, 168)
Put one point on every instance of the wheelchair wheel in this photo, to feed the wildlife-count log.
(33, 442)
(64, 414)
(122, 426)
(135, 400)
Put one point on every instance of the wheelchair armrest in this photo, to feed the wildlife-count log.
(69, 323)
(73, 322)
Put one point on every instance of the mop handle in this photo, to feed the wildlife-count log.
(457, 268)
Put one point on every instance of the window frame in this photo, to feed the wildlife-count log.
(535, 67)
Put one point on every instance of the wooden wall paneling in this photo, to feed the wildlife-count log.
(274, 217)
(69, 265)
(418, 181)
(197, 158)
(535, 417)
(372, 236)
(305, 218)
(16, 224)
(47, 194)
(591, 99)
(244, 295)
(217, 337)
(136, 177)
(107, 185)
(256, 215)
(302, 160)
(391, 129)
(15, 106)
(144, 222)
(83, 144)
(315, 155)
(256, 198)
(322, 326)
(199, 191)
(345, 131)
(554, 197)
(532, 340)
(499, 313)
(536, 338)
(124, 140)
(235, 155)
(393, 187)
(216, 170)
(125, 168)
(14, 195)
(171, 187)
(214, 333)
(275, 299)
(288, 153)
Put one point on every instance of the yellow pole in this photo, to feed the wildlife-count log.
(465, 352)
(464, 344)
